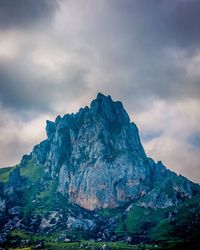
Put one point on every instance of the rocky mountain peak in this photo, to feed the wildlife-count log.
(98, 160)
(92, 160)
(110, 110)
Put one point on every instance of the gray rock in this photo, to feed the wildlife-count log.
(3, 238)
(52, 219)
(99, 162)
(2, 205)
(80, 224)
(105, 247)
(15, 210)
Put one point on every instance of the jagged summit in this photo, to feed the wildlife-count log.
(101, 105)
(101, 97)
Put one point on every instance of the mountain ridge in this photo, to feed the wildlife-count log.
(89, 134)
(91, 162)
(100, 136)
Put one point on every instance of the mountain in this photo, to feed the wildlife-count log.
(93, 166)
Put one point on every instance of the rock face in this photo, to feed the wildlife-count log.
(99, 162)
(93, 160)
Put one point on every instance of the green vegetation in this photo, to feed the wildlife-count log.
(38, 201)
(4, 173)
(167, 228)
(110, 212)
(50, 243)
(139, 220)
(173, 245)
(163, 225)
(50, 189)
(24, 248)
(31, 171)
(182, 222)
(20, 234)
(29, 197)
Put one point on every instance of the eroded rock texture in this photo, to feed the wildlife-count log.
(98, 159)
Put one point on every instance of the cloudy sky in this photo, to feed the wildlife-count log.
(55, 55)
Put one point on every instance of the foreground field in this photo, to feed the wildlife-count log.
(173, 245)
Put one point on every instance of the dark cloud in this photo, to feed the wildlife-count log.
(126, 42)
(140, 47)
(194, 139)
(171, 23)
(23, 13)
(185, 22)
(158, 23)
(23, 90)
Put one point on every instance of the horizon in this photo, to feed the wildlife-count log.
(55, 56)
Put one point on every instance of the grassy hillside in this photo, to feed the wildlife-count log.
(4, 174)
(173, 223)
(176, 227)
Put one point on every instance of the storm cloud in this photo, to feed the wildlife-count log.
(56, 55)
(23, 13)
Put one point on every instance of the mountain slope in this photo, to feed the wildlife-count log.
(91, 160)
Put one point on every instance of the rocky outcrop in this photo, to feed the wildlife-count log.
(15, 210)
(80, 224)
(99, 162)
(2, 205)
(14, 184)
(168, 189)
